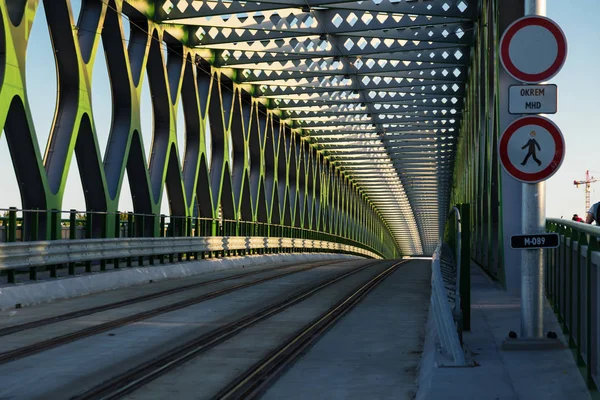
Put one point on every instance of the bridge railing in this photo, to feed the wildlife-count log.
(450, 291)
(91, 255)
(572, 283)
(23, 225)
(445, 322)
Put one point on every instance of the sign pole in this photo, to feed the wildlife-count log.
(532, 267)
(533, 221)
(532, 50)
(535, 7)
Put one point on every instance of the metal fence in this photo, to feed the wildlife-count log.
(21, 226)
(450, 285)
(78, 256)
(572, 288)
(442, 311)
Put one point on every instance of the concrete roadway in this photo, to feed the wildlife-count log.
(371, 353)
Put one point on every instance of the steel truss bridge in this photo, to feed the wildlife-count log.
(362, 120)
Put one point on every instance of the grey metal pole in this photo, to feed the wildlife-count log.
(532, 267)
(535, 7)
(533, 221)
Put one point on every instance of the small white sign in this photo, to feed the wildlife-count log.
(533, 99)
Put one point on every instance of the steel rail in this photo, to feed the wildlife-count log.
(22, 255)
(591, 230)
(139, 376)
(48, 344)
(9, 330)
(259, 377)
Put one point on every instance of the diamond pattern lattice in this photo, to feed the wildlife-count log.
(378, 85)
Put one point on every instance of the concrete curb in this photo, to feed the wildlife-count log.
(63, 288)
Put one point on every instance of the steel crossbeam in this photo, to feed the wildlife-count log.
(306, 103)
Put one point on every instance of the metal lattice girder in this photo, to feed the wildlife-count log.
(381, 95)
(298, 21)
(378, 106)
(282, 74)
(434, 53)
(260, 169)
(354, 108)
(421, 122)
(193, 8)
(415, 31)
(290, 89)
(316, 85)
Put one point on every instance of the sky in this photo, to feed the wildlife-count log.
(578, 114)
(578, 110)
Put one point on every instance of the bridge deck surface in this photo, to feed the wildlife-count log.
(372, 352)
(500, 374)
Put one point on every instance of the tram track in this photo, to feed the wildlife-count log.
(258, 378)
(9, 330)
(61, 340)
(144, 373)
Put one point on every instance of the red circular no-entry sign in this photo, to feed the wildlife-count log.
(531, 149)
(533, 49)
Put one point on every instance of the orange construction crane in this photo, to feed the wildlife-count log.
(587, 182)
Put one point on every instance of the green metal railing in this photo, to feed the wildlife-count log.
(23, 225)
(573, 290)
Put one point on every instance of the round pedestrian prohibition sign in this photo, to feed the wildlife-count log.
(533, 49)
(531, 149)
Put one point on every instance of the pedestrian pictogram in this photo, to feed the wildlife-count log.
(530, 146)
(533, 49)
(531, 149)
